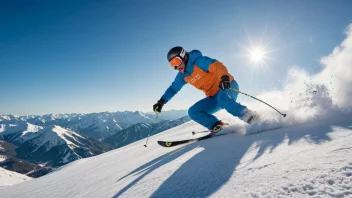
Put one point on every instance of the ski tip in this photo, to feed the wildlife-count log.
(165, 144)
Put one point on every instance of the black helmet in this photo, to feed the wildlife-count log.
(177, 51)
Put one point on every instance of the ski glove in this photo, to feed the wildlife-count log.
(158, 106)
(225, 82)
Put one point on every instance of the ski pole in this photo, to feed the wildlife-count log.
(283, 114)
(157, 114)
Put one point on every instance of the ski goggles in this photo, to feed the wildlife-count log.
(175, 62)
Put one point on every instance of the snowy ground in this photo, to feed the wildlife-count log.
(9, 178)
(300, 161)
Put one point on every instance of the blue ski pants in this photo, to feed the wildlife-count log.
(201, 112)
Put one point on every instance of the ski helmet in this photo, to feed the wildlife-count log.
(177, 52)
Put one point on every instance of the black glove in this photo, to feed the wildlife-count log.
(158, 106)
(225, 82)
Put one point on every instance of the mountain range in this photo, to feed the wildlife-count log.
(142, 130)
(35, 144)
(94, 125)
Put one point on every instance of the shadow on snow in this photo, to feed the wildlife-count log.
(212, 167)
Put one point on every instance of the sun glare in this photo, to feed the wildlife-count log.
(257, 55)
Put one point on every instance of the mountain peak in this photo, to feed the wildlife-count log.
(58, 133)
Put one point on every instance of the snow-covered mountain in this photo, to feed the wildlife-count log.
(141, 130)
(21, 166)
(94, 125)
(56, 139)
(55, 146)
(169, 115)
(51, 145)
(12, 163)
(18, 131)
(129, 135)
(7, 148)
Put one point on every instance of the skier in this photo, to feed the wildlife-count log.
(213, 78)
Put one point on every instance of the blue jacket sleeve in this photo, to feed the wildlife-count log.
(204, 63)
(176, 86)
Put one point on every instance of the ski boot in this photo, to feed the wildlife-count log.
(249, 116)
(218, 126)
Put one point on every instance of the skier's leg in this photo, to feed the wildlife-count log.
(201, 112)
(227, 100)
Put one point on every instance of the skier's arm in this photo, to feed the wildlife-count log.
(176, 86)
(212, 65)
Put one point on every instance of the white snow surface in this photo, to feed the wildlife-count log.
(9, 178)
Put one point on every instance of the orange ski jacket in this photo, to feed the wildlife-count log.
(202, 72)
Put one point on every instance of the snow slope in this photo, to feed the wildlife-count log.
(305, 160)
(9, 178)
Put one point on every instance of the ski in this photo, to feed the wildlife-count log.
(207, 136)
(178, 142)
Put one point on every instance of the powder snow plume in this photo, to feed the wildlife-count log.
(310, 98)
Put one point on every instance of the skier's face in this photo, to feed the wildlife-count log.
(181, 68)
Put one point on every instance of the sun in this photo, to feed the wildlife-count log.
(257, 55)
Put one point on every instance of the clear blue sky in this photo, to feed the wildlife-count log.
(87, 56)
